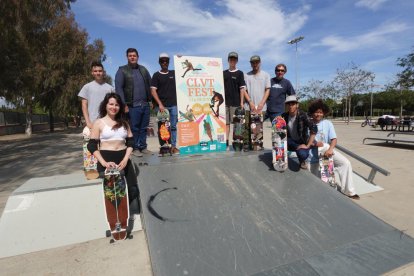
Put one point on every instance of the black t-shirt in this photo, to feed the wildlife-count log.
(233, 81)
(165, 84)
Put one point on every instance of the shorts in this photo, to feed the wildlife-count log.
(229, 114)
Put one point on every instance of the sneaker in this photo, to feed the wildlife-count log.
(355, 196)
(137, 153)
(174, 150)
(146, 151)
(304, 165)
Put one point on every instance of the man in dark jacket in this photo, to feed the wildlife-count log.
(132, 83)
(300, 130)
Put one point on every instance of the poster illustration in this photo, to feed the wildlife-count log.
(201, 126)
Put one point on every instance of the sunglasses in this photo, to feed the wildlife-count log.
(164, 61)
(291, 103)
(280, 70)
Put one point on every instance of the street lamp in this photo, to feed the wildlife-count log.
(296, 41)
(372, 94)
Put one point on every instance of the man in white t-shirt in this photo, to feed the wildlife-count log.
(93, 93)
(258, 89)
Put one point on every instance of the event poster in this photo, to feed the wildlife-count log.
(201, 124)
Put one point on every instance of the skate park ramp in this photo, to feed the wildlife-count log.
(49, 212)
(232, 214)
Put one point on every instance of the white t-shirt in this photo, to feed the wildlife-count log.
(256, 84)
(94, 93)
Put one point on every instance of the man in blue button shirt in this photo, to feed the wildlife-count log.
(132, 83)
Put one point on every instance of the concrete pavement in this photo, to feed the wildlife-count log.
(60, 153)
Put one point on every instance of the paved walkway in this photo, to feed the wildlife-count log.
(60, 153)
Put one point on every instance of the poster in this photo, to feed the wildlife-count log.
(201, 126)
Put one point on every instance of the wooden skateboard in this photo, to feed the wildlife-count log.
(115, 192)
(90, 163)
(256, 130)
(239, 129)
(326, 167)
(164, 133)
(279, 144)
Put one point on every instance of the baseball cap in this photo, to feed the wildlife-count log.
(164, 55)
(291, 98)
(233, 55)
(255, 58)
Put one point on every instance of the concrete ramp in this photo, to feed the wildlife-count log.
(232, 214)
(49, 212)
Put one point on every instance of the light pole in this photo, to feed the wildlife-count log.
(296, 41)
(372, 95)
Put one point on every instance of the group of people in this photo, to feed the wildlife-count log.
(119, 117)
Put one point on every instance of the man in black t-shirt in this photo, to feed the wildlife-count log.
(164, 93)
(235, 90)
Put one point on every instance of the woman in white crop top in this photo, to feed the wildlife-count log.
(112, 140)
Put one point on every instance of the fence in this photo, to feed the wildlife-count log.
(12, 122)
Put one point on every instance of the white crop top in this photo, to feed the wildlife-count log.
(109, 134)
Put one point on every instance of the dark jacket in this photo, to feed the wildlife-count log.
(129, 83)
(304, 125)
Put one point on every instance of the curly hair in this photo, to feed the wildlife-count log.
(319, 104)
(120, 117)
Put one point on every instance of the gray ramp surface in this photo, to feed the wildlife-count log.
(232, 214)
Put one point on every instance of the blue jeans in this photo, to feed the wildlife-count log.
(173, 123)
(271, 115)
(302, 154)
(139, 117)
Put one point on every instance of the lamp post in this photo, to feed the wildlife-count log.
(296, 41)
(372, 95)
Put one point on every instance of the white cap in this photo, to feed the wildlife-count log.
(164, 55)
(291, 98)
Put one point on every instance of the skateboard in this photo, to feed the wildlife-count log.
(115, 192)
(239, 120)
(90, 163)
(256, 130)
(164, 133)
(326, 167)
(279, 144)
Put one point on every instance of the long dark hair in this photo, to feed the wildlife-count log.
(120, 117)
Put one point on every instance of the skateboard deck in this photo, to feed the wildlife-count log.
(239, 129)
(279, 144)
(115, 192)
(326, 167)
(256, 130)
(164, 133)
(90, 163)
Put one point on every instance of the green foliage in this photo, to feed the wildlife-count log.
(45, 55)
(406, 77)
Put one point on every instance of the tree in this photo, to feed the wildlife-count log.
(318, 89)
(406, 77)
(350, 80)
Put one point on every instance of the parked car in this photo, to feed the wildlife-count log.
(387, 120)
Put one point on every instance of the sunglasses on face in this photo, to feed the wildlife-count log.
(280, 70)
(164, 61)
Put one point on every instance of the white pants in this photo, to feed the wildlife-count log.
(344, 168)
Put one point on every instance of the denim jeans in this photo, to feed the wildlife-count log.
(173, 123)
(139, 117)
(302, 154)
(271, 115)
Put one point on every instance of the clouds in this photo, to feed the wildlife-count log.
(248, 26)
(370, 4)
(377, 38)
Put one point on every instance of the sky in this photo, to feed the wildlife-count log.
(372, 34)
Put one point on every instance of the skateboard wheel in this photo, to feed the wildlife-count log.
(108, 233)
(112, 241)
(130, 237)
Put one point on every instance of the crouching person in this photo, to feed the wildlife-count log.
(112, 141)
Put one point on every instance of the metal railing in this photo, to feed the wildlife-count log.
(374, 168)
